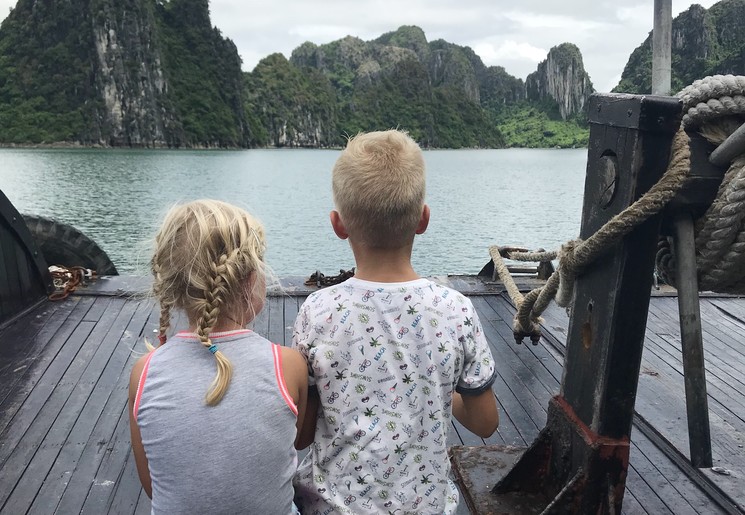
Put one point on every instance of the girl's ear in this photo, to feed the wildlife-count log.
(423, 221)
(338, 225)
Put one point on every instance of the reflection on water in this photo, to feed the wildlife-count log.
(477, 198)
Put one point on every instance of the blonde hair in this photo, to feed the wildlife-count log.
(378, 183)
(205, 252)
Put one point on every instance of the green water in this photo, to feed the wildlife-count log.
(477, 198)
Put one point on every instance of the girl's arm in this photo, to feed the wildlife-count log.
(137, 449)
(295, 371)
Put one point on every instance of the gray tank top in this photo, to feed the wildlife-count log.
(236, 457)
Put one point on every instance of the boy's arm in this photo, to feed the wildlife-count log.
(137, 448)
(307, 427)
(474, 402)
(478, 413)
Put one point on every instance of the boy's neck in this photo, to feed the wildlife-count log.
(383, 265)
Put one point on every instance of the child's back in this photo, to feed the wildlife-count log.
(386, 360)
(213, 411)
(392, 356)
(236, 456)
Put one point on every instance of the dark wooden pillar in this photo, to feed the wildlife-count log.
(579, 462)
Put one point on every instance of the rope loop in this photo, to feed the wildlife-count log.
(714, 106)
(67, 279)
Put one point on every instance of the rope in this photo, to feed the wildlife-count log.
(575, 255)
(716, 110)
(720, 237)
(320, 280)
(67, 279)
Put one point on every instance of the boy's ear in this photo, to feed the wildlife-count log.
(423, 221)
(338, 225)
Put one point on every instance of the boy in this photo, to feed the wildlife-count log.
(391, 355)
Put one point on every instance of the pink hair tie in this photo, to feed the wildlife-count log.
(162, 338)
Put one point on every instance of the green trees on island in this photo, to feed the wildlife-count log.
(157, 73)
(704, 42)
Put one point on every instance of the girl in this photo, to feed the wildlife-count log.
(213, 412)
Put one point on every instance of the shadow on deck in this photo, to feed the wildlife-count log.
(64, 434)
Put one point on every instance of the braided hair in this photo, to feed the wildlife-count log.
(207, 252)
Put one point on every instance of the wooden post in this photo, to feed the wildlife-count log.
(579, 462)
(661, 43)
(694, 371)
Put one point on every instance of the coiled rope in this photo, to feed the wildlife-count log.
(706, 102)
(67, 279)
(716, 108)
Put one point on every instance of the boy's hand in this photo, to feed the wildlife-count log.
(478, 413)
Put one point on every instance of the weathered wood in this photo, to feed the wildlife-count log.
(660, 400)
(24, 277)
(580, 459)
(661, 47)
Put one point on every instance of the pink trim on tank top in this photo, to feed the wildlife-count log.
(220, 334)
(276, 352)
(141, 384)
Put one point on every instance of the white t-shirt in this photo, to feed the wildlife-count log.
(386, 358)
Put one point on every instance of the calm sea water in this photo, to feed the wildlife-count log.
(477, 198)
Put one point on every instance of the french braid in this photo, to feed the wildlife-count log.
(206, 251)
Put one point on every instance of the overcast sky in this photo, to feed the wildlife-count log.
(515, 35)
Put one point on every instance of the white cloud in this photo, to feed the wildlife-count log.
(537, 20)
(509, 50)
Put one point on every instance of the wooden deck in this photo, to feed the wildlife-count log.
(64, 366)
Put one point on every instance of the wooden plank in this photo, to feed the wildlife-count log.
(143, 504)
(519, 383)
(7, 302)
(275, 308)
(12, 296)
(108, 369)
(22, 438)
(25, 339)
(528, 362)
(109, 473)
(61, 412)
(657, 465)
(291, 306)
(667, 474)
(39, 379)
(87, 464)
(127, 490)
(720, 391)
(261, 323)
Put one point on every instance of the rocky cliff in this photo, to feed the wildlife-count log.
(124, 72)
(704, 42)
(561, 78)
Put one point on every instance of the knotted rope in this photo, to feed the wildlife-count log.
(67, 279)
(705, 101)
(716, 106)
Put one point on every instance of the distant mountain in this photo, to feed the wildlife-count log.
(704, 42)
(442, 93)
(147, 73)
(119, 73)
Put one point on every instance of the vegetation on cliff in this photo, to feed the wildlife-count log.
(704, 42)
(157, 73)
(440, 92)
(135, 72)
